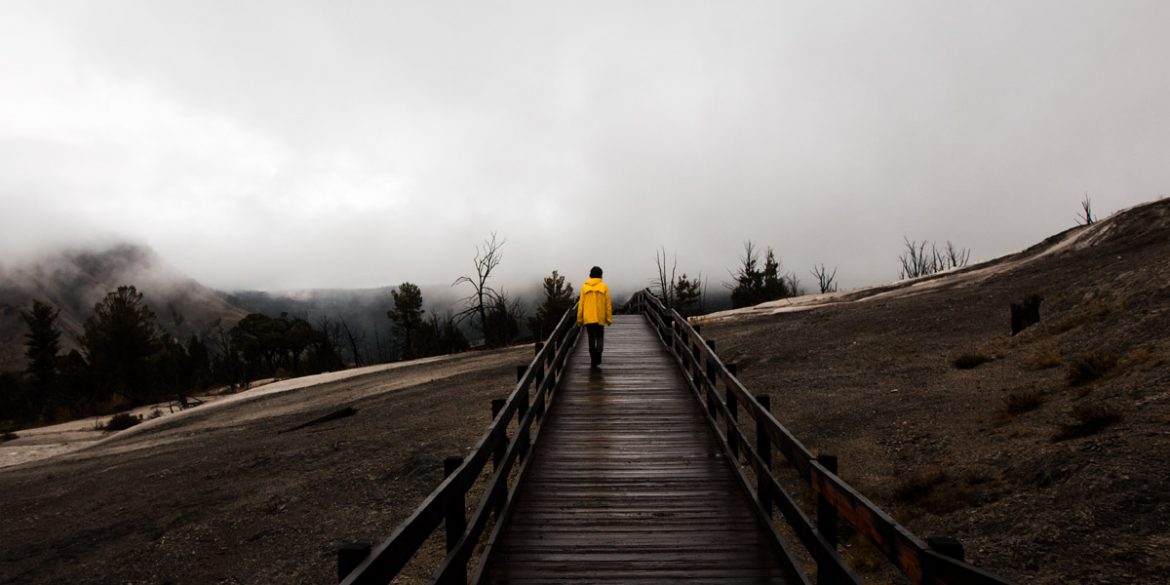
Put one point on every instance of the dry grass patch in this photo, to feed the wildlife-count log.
(1046, 358)
(970, 360)
(1135, 357)
(1018, 403)
(1089, 418)
(1090, 310)
(916, 485)
(1089, 367)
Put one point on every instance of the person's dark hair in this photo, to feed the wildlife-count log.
(595, 272)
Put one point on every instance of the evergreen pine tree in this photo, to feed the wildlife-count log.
(558, 298)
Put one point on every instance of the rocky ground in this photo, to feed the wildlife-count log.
(1047, 458)
(232, 495)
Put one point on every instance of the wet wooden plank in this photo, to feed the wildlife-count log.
(627, 484)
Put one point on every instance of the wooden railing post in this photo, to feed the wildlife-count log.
(349, 556)
(667, 329)
(539, 365)
(764, 448)
(732, 423)
(826, 525)
(696, 368)
(551, 356)
(733, 410)
(501, 447)
(538, 383)
(456, 506)
(712, 387)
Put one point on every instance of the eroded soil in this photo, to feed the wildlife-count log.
(227, 496)
(1044, 480)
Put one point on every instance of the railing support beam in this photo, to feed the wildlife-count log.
(764, 449)
(456, 508)
(826, 524)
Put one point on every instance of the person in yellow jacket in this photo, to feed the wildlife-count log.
(594, 312)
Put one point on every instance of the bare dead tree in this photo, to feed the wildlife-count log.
(664, 280)
(952, 256)
(1085, 217)
(504, 316)
(333, 333)
(237, 369)
(825, 280)
(703, 297)
(353, 340)
(917, 261)
(487, 258)
(381, 349)
(792, 283)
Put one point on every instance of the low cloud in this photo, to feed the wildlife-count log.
(303, 144)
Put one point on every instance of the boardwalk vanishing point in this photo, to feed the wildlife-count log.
(629, 486)
(657, 468)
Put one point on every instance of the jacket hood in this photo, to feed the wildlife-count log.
(593, 283)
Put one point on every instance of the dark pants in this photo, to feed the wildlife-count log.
(596, 342)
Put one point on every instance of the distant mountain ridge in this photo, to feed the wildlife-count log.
(362, 310)
(74, 280)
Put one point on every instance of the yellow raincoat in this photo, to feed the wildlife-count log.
(594, 305)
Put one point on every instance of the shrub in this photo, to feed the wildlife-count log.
(122, 420)
(1090, 311)
(1090, 367)
(915, 486)
(1088, 419)
(1021, 402)
(1134, 358)
(1049, 358)
(970, 360)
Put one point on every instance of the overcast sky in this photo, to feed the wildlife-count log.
(274, 145)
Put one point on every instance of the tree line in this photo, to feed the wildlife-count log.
(498, 318)
(754, 281)
(125, 359)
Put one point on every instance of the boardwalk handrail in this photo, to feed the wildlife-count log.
(448, 501)
(921, 563)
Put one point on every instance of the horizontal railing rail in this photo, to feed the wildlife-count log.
(447, 504)
(922, 563)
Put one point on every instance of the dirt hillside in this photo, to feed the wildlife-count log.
(1046, 455)
(1047, 459)
(235, 493)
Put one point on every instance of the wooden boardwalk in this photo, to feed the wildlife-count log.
(629, 486)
